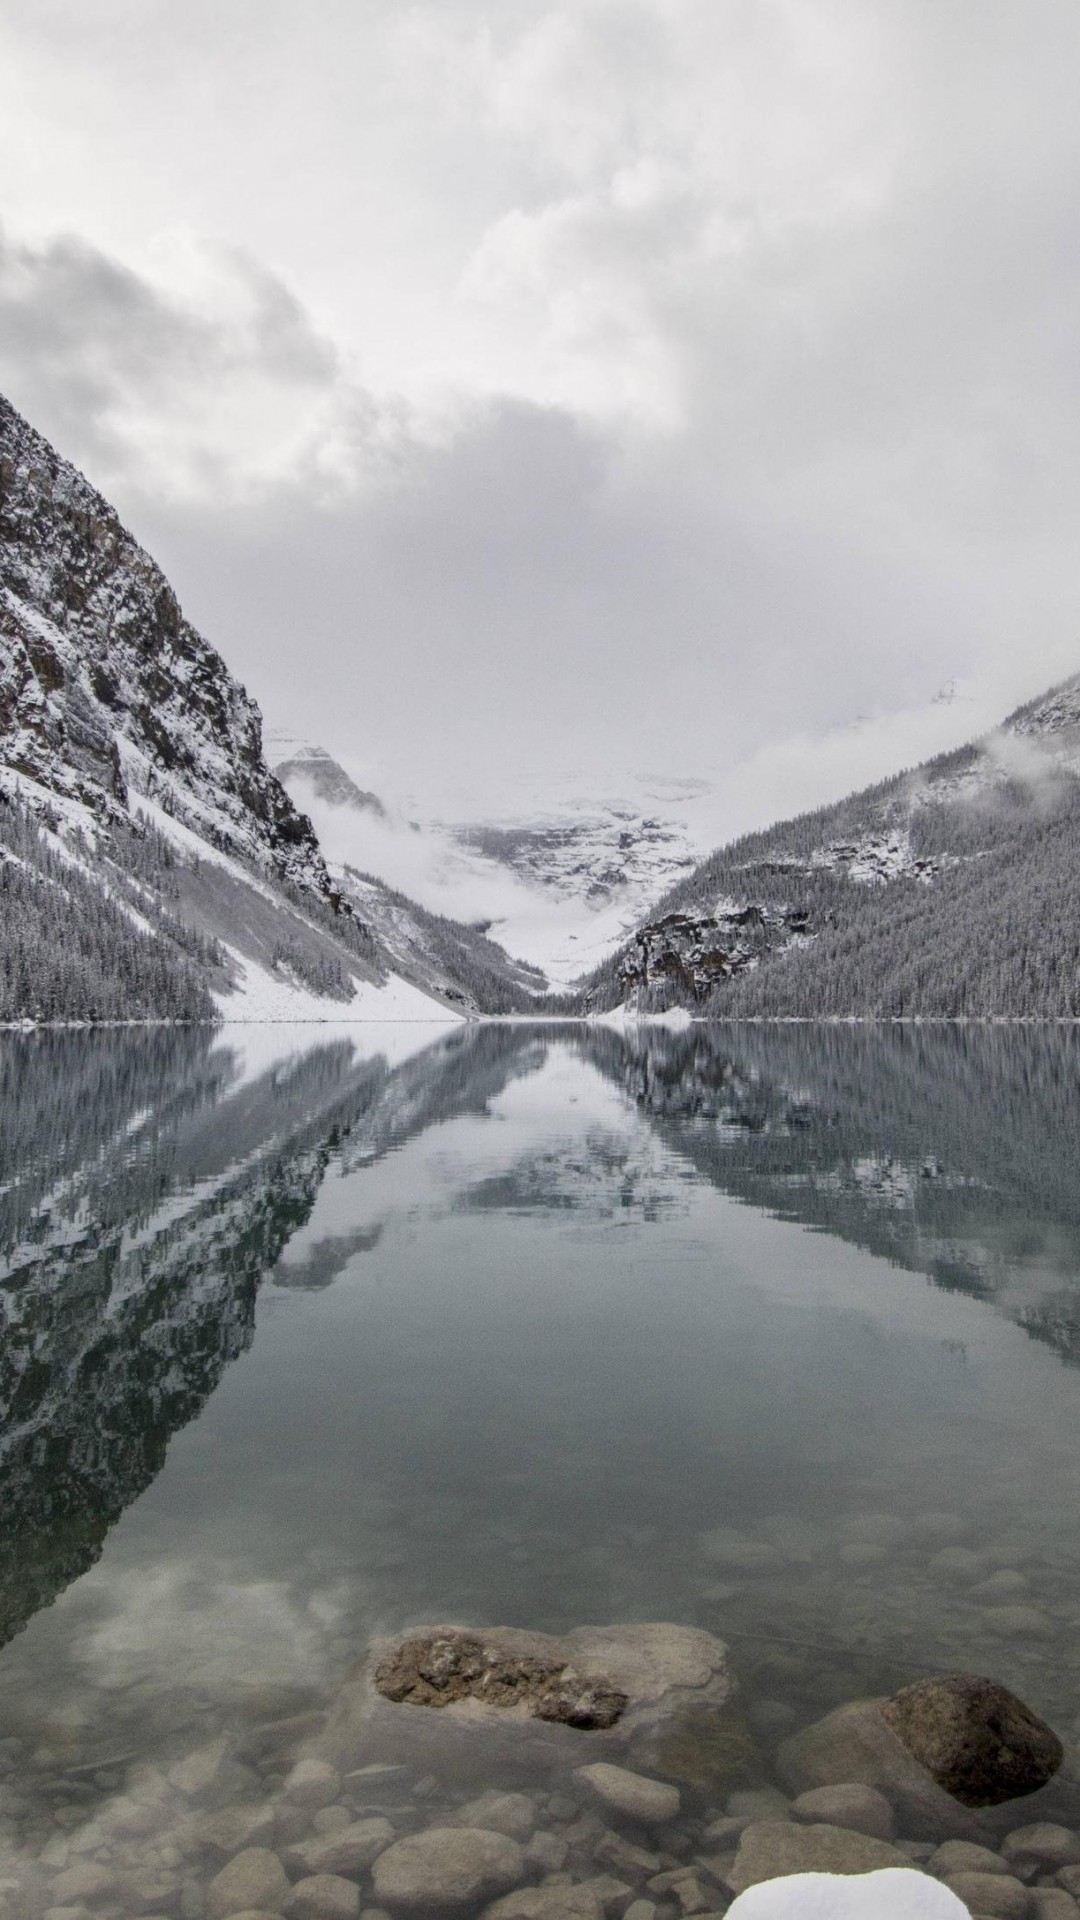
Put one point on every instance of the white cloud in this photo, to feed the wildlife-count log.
(637, 381)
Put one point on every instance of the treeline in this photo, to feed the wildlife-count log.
(996, 931)
(70, 952)
(998, 935)
(476, 968)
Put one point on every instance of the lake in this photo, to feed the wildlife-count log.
(314, 1335)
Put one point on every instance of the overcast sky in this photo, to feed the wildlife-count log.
(660, 385)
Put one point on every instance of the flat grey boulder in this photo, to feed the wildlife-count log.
(978, 1741)
(446, 1870)
(631, 1796)
(323, 1896)
(451, 1697)
(349, 1850)
(863, 1809)
(770, 1849)
(254, 1878)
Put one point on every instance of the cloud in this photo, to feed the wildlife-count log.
(203, 391)
(636, 382)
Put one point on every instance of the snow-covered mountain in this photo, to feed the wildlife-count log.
(311, 768)
(150, 861)
(559, 878)
(952, 889)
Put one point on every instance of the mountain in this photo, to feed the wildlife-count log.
(297, 763)
(951, 890)
(560, 876)
(151, 864)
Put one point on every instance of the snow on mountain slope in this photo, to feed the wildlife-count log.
(106, 691)
(951, 889)
(559, 879)
(131, 763)
(312, 768)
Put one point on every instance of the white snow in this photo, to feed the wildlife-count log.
(628, 1016)
(593, 865)
(895, 1893)
(260, 995)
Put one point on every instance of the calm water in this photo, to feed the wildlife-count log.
(310, 1335)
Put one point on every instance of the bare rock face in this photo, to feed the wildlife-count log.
(979, 1741)
(106, 691)
(437, 1669)
(524, 1702)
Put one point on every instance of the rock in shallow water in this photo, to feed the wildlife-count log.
(978, 1741)
(993, 1896)
(854, 1743)
(323, 1896)
(446, 1870)
(848, 1804)
(648, 1803)
(770, 1849)
(547, 1903)
(659, 1670)
(348, 1850)
(253, 1879)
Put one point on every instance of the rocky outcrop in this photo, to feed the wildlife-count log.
(687, 955)
(106, 691)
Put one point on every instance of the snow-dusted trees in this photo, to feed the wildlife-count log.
(68, 951)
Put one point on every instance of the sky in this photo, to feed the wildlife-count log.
(520, 392)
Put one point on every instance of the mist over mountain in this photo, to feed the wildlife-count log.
(153, 865)
(950, 890)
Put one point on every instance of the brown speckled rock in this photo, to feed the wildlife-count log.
(978, 1741)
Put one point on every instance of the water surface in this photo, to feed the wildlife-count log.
(312, 1335)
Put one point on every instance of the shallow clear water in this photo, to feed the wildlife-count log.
(313, 1335)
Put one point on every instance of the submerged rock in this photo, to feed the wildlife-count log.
(253, 1879)
(547, 1903)
(519, 1701)
(979, 1742)
(648, 1803)
(771, 1848)
(850, 1804)
(446, 1870)
(993, 1896)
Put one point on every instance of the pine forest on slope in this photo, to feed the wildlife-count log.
(949, 891)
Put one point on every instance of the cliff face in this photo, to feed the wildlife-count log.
(106, 691)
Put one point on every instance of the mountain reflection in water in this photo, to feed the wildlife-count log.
(151, 1183)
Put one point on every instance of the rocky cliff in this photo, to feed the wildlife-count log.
(106, 691)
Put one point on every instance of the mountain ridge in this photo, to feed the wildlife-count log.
(151, 863)
(950, 889)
